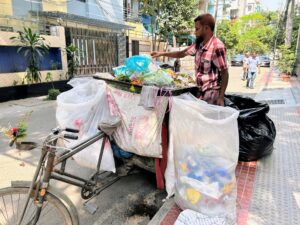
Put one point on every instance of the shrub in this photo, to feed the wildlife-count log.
(53, 93)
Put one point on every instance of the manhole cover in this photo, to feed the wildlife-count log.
(274, 101)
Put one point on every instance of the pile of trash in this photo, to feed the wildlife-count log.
(141, 70)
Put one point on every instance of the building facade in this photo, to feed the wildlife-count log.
(138, 39)
(244, 7)
(219, 9)
(95, 27)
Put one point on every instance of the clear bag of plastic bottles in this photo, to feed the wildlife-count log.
(205, 143)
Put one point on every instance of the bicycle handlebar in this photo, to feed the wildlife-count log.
(72, 130)
(70, 136)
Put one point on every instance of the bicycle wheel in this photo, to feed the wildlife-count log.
(12, 201)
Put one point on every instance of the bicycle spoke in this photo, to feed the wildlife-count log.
(3, 200)
(33, 214)
(46, 212)
(18, 208)
(3, 215)
(13, 210)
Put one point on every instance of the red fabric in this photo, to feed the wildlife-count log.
(161, 163)
(210, 59)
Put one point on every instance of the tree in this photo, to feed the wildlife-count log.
(287, 59)
(32, 48)
(170, 17)
(258, 32)
(253, 32)
(227, 32)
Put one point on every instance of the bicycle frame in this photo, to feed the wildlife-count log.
(63, 176)
(49, 157)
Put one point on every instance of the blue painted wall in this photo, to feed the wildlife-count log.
(11, 61)
(77, 8)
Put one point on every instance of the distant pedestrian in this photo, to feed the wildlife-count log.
(245, 65)
(253, 68)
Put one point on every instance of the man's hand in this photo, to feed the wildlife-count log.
(155, 54)
(220, 101)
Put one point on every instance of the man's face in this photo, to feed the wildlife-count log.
(199, 29)
(199, 33)
(254, 55)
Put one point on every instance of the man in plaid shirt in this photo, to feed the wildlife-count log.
(210, 61)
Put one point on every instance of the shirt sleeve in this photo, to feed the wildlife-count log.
(219, 59)
(191, 50)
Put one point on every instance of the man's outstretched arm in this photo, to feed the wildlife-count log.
(178, 54)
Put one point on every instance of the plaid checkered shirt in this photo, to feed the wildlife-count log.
(210, 59)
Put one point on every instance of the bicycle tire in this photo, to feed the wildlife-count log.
(54, 211)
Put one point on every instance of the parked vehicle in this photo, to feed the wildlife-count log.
(237, 60)
(264, 61)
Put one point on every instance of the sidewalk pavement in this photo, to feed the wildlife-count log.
(268, 189)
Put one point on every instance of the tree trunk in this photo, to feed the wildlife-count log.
(174, 41)
(289, 23)
(298, 54)
(165, 49)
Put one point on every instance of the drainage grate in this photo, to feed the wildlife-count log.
(274, 101)
(273, 89)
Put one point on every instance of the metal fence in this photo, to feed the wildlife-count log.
(98, 51)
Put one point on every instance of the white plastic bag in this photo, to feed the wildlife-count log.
(83, 108)
(89, 156)
(205, 142)
(170, 170)
(140, 130)
(190, 217)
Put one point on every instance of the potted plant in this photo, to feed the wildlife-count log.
(286, 62)
(52, 92)
(18, 133)
(32, 48)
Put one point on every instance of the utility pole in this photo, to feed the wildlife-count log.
(216, 15)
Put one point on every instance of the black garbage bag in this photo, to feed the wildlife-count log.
(257, 131)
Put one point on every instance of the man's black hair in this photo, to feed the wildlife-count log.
(206, 19)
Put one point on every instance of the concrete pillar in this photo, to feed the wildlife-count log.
(59, 31)
(121, 48)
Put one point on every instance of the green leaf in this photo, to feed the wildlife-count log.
(33, 46)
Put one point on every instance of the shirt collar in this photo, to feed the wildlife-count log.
(208, 44)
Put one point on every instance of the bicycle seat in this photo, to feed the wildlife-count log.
(109, 126)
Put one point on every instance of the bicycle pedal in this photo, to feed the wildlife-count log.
(90, 207)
